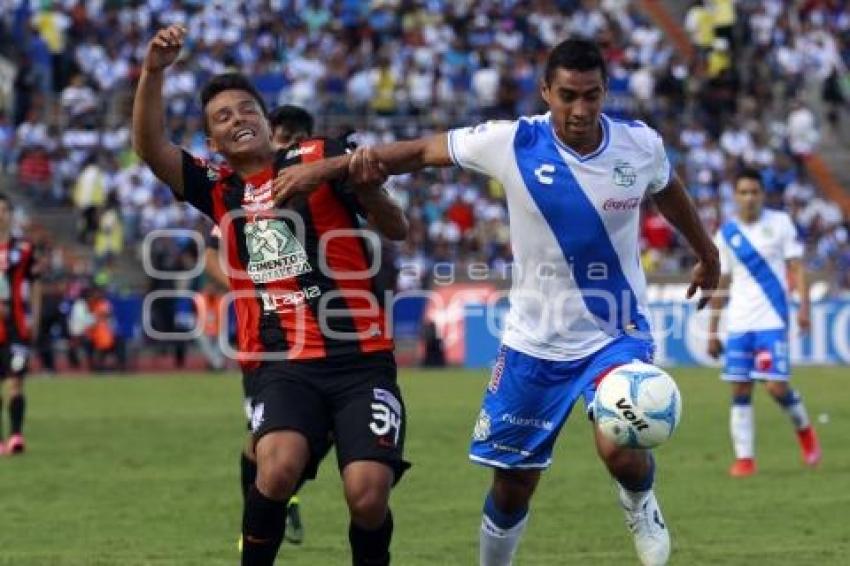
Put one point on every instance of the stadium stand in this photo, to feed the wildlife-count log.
(758, 83)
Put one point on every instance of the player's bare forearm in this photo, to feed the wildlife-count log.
(384, 213)
(396, 158)
(678, 208)
(212, 265)
(801, 282)
(149, 136)
(410, 156)
(717, 304)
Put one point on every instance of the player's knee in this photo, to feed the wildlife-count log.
(277, 478)
(742, 390)
(368, 504)
(16, 386)
(779, 390)
(626, 462)
(513, 489)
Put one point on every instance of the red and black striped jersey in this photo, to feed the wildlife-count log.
(299, 275)
(17, 270)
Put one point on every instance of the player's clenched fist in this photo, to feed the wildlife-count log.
(164, 48)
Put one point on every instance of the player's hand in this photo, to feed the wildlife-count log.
(164, 48)
(365, 171)
(715, 347)
(705, 276)
(804, 323)
(301, 179)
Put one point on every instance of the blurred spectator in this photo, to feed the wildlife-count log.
(803, 134)
(396, 69)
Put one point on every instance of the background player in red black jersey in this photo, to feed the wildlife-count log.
(311, 331)
(18, 285)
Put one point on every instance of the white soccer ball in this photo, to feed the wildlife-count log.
(637, 405)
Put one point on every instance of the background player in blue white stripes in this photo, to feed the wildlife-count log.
(574, 179)
(758, 250)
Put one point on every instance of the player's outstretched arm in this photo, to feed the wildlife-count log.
(397, 158)
(678, 208)
(367, 175)
(149, 137)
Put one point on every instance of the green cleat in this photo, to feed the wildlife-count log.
(294, 527)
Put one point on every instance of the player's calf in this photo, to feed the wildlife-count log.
(792, 404)
(281, 459)
(367, 486)
(505, 515)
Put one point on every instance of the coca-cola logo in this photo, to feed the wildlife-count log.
(621, 204)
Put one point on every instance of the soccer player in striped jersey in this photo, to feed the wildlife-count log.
(310, 327)
(289, 125)
(758, 249)
(574, 180)
(19, 285)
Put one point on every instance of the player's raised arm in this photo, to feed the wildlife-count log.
(397, 158)
(149, 136)
(677, 207)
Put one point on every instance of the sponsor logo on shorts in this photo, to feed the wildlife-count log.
(498, 370)
(482, 427)
(257, 417)
(528, 422)
(512, 449)
(764, 360)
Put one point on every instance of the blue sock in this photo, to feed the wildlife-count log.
(790, 398)
(500, 519)
(645, 483)
(741, 400)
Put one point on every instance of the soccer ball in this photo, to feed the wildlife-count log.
(637, 405)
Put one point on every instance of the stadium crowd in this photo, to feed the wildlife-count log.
(391, 69)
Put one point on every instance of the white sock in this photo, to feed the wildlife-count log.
(743, 431)
(633, 499)
(497, 545)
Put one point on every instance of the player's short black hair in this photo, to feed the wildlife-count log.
(228, 81)
(750, 173)
(576, 54)
(293, 118)
(4, 198)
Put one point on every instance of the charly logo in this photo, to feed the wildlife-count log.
(274, 252)
(624, 174)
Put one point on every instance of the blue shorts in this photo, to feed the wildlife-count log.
(529, 399)
(760, 354)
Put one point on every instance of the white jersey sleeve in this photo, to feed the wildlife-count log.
(662, 170)
(486, 148)
(725, 257)
(792, 247)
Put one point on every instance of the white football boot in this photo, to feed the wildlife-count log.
(644, 520)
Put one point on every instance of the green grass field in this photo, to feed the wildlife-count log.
(143, 470)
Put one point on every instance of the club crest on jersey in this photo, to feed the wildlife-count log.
(274, 251)
(624, 174)
(482, 427)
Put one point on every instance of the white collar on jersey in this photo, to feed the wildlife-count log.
(603, 121)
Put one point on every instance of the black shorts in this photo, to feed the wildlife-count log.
(14, 360)
(352, 401)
